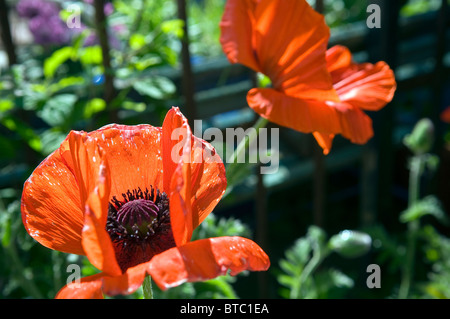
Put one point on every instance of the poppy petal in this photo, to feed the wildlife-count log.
(338, 57)
(87, 288)
(206, 259)
(295, 62)
(236, 35)
(367, 86)
(92, 172)
(177, 139)
(133, 161)
(208, 182)
(134, 156)
(51, 208)
(96, 240)
(302, 115)
(194, 176)
(325, 141)
(355, 124)
(80, 153)
(176, 135)
(93, 287)
(127, 283)
(445, 115)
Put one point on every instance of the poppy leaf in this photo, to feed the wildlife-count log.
(58, 109)
(156, 87)
(429, 205)
(52, 63)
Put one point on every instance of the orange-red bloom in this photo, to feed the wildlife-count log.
(313, 90)
(121, 196)
(445, 115)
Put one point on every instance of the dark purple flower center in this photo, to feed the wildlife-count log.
(138, 216)
(139, 226)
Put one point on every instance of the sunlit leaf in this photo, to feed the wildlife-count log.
(137, 41)
(156, 87)
(67, 82)
(134, 106)
(51, 140)
(91, 55)
(174, 27)
(6, 105)
(147, 61)
(52, 63)
(58, 109)
(94, 106)
(5, 229)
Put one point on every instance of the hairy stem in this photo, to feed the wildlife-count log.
(147, 288)
(413, 226)
(318, 256)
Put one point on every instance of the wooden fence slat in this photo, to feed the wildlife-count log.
(5, 31)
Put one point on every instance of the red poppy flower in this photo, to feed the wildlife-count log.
(129, 198)
(445, 115)
(313, 90)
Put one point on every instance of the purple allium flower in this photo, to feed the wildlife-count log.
(32, 8)
(49, 9)
(47, 27)
(108, 8)
(49, 30)
(44, 22)
(29, 8)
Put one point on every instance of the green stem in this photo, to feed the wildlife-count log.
(233, 165)
(147, 288)
(413, 226)
(318, 256)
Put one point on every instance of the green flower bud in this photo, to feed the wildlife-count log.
(350, 243)
(421, 139)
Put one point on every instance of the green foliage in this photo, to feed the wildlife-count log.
(420, 140)
(437, 252)
(19, 249)
(389, 249)
(203, 31)
(213, 226)
(156, 87)
(300, 274)
(429, 205)
(402, 253)
(413, 7)
(52, 63)
(63, 88)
